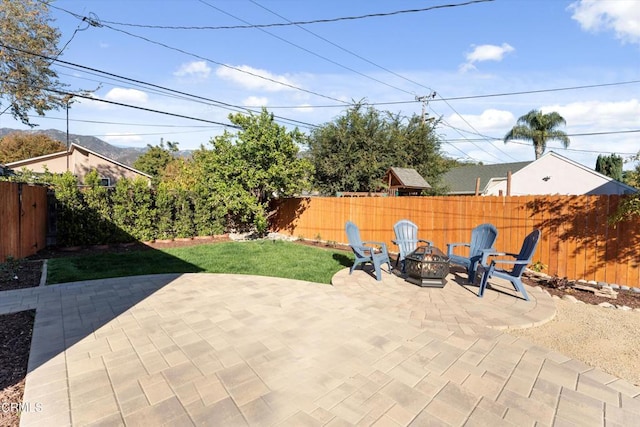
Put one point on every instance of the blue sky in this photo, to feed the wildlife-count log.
(466, 51)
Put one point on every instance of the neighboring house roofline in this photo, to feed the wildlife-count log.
(584, 168)
(462, 179)
(73, 146)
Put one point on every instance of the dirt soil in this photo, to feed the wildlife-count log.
(16, 329)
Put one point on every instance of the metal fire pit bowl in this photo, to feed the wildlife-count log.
(427, 266)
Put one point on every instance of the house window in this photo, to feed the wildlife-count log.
(105, 182)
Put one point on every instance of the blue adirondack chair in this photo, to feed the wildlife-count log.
(367, 251)
(482, 237)
(406, 239)
(513, 275)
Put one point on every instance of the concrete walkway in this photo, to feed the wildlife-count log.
(226, 350)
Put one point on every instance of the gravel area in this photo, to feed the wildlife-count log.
(600, 337)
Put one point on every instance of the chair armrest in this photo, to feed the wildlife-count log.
(371, 242)
(510, 261)
(486, 253)
(450, 247)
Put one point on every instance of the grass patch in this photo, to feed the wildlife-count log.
(263, 258)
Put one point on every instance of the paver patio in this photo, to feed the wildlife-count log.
(216, 349)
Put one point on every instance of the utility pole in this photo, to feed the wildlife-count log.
(68, 100)
(425, 101)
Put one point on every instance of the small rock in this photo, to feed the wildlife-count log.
(624, 288)
(601, 284)
(606, 305)
(592, 282)
(614, 286)
(570, 298)
(623, 307)
(582, 281)
(636, 290)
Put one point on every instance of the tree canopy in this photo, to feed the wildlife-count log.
(24, 145)
(27, 81)
(610, 165)
(154, 161)
(539, 128)
(240, 173)
(353, 152)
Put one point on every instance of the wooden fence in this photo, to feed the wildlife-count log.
(23, 219)
(577, 241)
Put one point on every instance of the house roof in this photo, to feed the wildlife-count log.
(72, 147)
(589, 170)
(409, 178)
(462, 180)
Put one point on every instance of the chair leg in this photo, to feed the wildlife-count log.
(483, 282)
(517, 284)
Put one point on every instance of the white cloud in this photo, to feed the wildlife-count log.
(122, 138)
(126, 95)
(195, 69)
(603, 116)
(620, 16)
(255, 101)
(490, 121)
(485, 52)
(254, 78)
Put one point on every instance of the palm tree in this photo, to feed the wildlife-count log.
(539, 128)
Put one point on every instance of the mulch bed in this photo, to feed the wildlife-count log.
(16, 329)
(15, 336)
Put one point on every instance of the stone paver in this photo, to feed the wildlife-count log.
(219, 349)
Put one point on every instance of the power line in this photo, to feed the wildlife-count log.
(215, 102)
(310, 51)
(102, 24)
(281, 24)
(489, 95)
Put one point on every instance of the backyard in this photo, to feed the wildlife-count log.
(309, 261)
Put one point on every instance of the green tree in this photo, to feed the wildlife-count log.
(133, 210)
(70, 210)
(155, 160)
(24, 145)
(27, 81)
(629, 208)
(610, 165)
(632, 177)
(353, 152)
(539, 128)
(97, 208)
(241, 173)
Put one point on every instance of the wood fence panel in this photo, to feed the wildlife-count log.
(23, 219)
(9, 221)
(576, 238)
(33, 224)
(612, 243)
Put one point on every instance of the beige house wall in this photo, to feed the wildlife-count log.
(81, 162)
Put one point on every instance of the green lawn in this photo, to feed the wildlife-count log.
(264, 257)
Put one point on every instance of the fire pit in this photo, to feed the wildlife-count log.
(427, 266)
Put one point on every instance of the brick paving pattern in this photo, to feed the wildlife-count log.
(217, 349)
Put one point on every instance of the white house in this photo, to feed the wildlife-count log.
(550, 174)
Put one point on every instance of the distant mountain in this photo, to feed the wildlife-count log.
(126, 155)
